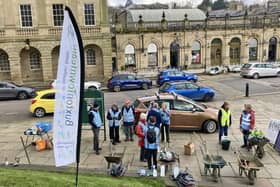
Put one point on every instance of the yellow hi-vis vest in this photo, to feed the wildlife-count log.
(225, 118)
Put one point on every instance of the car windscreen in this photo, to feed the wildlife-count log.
(246, 65)
(165, 86)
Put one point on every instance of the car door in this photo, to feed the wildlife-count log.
(5, 91)
(270, 70)
(132, 81)
(183, 115)
(180, 75)
(123, 81)
(260, 68)
(193, 91)
(13, 90)
(47, 102)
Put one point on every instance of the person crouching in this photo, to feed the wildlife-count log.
(140, 133)
(114, 116)
(151, 142)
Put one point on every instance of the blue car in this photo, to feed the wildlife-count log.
(174, 75)
(188, 89)
(128, 81)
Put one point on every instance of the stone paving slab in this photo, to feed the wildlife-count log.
(10, 147)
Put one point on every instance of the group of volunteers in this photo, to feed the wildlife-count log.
(247, 122)
(156, 122)
(148, 128)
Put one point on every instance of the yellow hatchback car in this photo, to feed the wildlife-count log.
(43, 103)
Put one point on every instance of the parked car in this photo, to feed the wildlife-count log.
(215, 70)
(186, 114)
(43, 103)
(257, 70)
(88, 85)
(128, 81)
(9, 90)
(175, 75)
(233, 68)
(188, 89)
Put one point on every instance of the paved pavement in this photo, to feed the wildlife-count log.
(266, 107)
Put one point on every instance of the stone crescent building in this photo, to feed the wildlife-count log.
(151, 38)
(30, 33)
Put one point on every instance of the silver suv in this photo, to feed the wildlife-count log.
(257, 70)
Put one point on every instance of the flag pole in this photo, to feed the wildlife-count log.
(82, 74)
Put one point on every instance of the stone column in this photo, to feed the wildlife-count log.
(15, 66)
(244, 50)
(47, 67)
(226, 51)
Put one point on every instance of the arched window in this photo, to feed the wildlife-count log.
(196, 52)
(129, 53)
(4, 62)
(253, 49)
(90, 56)
(152, 55)
(234, 52)
(35, 60)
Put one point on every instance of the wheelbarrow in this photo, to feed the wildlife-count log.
(114, 158)
(249, 165)
(212, 163)
(258, 144)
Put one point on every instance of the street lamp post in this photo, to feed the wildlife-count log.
(205, 46)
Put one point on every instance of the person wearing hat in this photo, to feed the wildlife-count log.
(95, 122)
(224, 120)
(247, 123)
(128, 120)
(114, 116)
(140, 133)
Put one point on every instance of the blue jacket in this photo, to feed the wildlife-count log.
(155, 145)
(165, 116)
(128, 115)
(95, 119)
(156, 113)
(114, 117)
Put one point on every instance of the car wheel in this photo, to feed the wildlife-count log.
(117, 88)
(145, 86)
(210, 126)
(256, 76)
(39, 112)
(278, 74)
(207, 97)
(92, 88)
(22, 95)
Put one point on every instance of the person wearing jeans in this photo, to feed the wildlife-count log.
(95, 122)
(224, 120)
(128, 120)
(247, 123)
(165, 120)
(114, 116)
(151, 147)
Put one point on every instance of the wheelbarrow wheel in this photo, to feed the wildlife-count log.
(251, 177)
(240, 171)
(260, 152)
(215, 174)
(205, 170)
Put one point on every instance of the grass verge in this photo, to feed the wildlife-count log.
(29, 178)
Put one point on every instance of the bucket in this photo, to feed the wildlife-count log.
(225, 144)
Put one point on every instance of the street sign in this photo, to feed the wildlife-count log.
(273, 130)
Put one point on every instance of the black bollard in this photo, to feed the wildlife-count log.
(247, 90)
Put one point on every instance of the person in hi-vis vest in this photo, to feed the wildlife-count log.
(247, 123)
(224, 120)
(95, 122)
(114, 116)
(128, 120)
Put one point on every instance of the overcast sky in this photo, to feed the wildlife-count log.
(194, 2)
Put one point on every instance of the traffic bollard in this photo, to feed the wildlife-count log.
(247, 90)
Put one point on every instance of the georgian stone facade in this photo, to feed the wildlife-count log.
(213, 41)
(29, 51)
